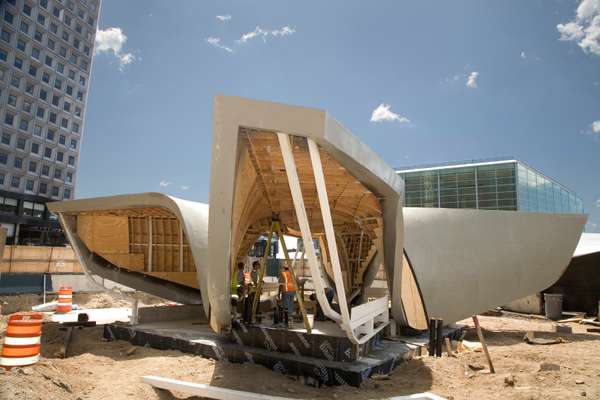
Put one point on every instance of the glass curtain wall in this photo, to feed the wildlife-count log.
(538, 193)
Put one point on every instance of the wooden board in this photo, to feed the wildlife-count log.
(104, 233)
(183, 278)
(130, 261)
(38, 259)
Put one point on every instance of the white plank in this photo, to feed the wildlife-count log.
(294, 183)
(206, 391)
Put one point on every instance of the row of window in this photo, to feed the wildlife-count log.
(50, 153)
(33, 167)
(25, 123)
(51, 136)
(26, 106)
(29, 185)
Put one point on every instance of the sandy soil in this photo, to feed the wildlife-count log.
(98, 370)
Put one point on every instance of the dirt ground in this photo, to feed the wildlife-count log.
(98, 370)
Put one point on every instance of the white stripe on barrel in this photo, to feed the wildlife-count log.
(18, 361)
(21, 341)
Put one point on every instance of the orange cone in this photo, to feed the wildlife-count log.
(65, 300)
(22, 342)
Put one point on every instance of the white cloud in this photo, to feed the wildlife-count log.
(585, 28)
(184, 187)
(596, 126)
(112, 40)
(216, 42)
(164, 183)
(472, 80)
(262, 33)
(598, 203)
(523, 55)
(384, 113)
(223, 18)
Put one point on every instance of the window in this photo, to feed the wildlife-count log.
(67, 193)
(8, 17)
(55, 190)
(48, 61)
(43, 188)
(55, 100)
(62, 51)
(50, 135)
(35, 148)
(15, 81)
(28, 187)
(9, 118)
(62, 139)
(86, 50)
(73, 58)
(1, 179)
(70, 90)
(73, 144)
(56, 12)
(38, 36)
(44, 3)
(37, 130)
(15, 181)
(3, 158)
(23, 124)
(65, 36)
(52, 117)
(45, 170)
(51, 45)
(67, 106)
(40, 112)
(58, 173)
(5, 35)
(35, 53)
(24, 27)
(76, 43)
(79, 95)
(90, 21)
(82, 80)
(29, 88)
(3, 55)
(84, 65)
(8, 205)
(69, 177)
(6, 138)
(12, 100)
(48, 152)
(32, 166)
(18, 62)
(78, 112)
(71, 160)
(75, 127)
(53, 28)
(21, 143)
(71, 74)
(43, 94)
(27, 106)
(67, 20)
(78, 29)
(18, 162)
(33, 70)
(60, 67)
(64, 123)
(58, 83)
(21, 44)
(46, 77)
(41, 19)
(60, 156)
(27, 9)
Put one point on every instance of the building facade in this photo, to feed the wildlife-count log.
(501, 184)
(46, 50)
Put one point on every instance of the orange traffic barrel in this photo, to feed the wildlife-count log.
(65, 300)
(22, 342)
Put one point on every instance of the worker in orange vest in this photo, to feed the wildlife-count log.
(251, 279)
(288, 291)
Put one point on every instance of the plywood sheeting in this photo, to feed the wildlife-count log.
(189, 279)
(104, 234)
(39, 259)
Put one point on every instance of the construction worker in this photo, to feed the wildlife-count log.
(241, 287)
(287, 291)
(252, 288)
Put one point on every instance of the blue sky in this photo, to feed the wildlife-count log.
(462, 79)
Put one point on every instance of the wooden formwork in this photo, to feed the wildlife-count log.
(38, 259)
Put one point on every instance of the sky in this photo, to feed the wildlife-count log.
(419, 82)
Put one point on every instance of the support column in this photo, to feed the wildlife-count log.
(294, 183)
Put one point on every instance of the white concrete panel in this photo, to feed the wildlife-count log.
(588, 244)
(468, 261)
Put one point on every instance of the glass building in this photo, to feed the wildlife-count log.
(504, 184)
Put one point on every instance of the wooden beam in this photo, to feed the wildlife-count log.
(338, 278)
(292, 175)
(149, 266)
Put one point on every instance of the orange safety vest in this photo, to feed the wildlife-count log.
(288, 282)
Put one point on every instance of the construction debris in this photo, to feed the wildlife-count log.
(531, 339)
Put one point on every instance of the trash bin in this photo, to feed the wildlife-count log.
(553, 305)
